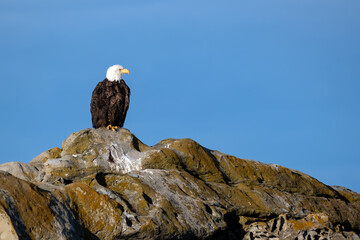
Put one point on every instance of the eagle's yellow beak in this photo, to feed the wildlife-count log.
(125, 71)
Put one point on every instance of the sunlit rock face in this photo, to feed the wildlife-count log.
(109, 185)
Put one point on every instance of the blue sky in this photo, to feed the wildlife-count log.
(275, 81)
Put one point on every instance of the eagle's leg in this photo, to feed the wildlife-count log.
(112, 127)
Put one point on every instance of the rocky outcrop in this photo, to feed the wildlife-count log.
(109, 185)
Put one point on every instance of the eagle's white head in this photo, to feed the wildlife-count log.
(115, 72)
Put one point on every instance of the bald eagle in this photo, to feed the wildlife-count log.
(110, 100)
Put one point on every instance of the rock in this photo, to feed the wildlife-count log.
(313, 226)
(21, 170)
(54, 152)
(7, 231)
(35, 213)
(109, 185)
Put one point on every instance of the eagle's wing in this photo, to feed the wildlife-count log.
(99, 106)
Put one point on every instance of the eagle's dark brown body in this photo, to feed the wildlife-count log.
(109, 103)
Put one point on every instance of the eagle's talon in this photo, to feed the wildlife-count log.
(113, 128)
